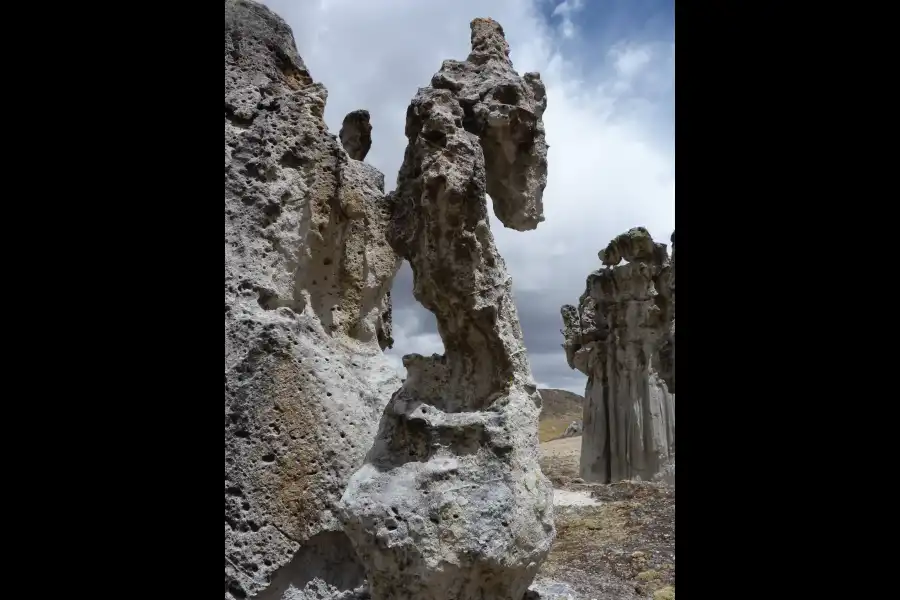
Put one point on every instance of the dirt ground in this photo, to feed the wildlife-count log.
(560, 460)
(614, 542)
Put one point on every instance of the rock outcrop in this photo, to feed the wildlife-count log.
(356, 134)
(451, 503)
(550, 590)
(574, 428)
(625, 317)
(308, 271)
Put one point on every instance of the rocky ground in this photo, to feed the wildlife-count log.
(615, 542)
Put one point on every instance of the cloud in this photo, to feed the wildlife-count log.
(611, 157)
(415, 329)
(565, 10)
(630, 59)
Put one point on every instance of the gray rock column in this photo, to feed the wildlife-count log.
(622, 337)
(451, 503)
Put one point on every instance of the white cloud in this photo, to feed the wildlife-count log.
(563, 378)
(425, 344)
(630, 59)
(608, 169)
(565, 10)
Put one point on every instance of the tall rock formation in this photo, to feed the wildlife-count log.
(451, 503)
(308, 271)
(625, 318)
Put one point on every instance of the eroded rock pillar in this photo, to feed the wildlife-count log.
(622, 337)
(451, 503)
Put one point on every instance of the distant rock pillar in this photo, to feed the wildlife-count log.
(622, 337)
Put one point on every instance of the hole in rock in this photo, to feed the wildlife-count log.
(414, 326)
(328, 557)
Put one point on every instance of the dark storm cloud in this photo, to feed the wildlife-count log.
(538, 314)
(541, 326)
(540, 318)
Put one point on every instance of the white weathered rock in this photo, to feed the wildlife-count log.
(574, 428)
(451, 503)
(308, 272)
(550, 590)
(625, 318)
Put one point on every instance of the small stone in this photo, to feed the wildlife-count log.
(574, 428)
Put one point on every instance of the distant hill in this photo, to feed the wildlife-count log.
(559, 409)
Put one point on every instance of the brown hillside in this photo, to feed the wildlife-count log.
(560, 408)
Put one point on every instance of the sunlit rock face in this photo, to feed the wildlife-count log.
(451, 503)
(621, 336)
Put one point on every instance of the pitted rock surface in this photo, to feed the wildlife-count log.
(451, 503)
(622, 337)
(505, 112)
(308, 271)
(635, 245)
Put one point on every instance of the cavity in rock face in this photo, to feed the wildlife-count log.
(617, 337)
(356, 134)
(308, 271)
(451, 503)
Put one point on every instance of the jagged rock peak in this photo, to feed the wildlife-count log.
(452, 504)
(633, 245)
(308, 271)
(259, 39)
(488, 41)
(622, 336)
(505, 110)
(356, 134)
(344, 270)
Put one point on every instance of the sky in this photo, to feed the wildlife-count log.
(609, 69)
